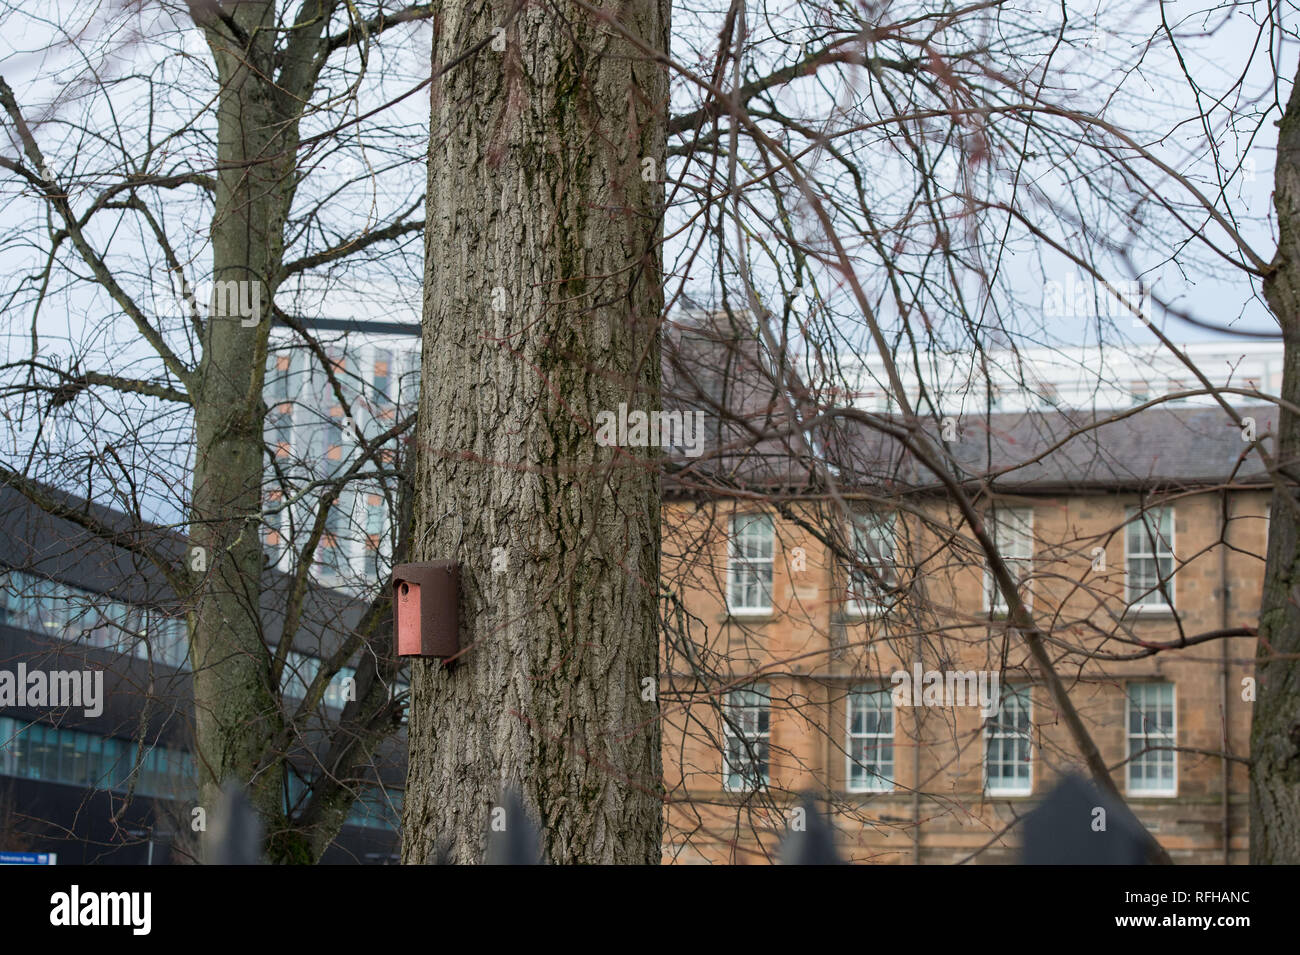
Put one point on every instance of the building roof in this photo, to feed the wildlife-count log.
(751, 443)
(59, 548)
(1056, 451)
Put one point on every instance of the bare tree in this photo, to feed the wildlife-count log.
(852, 214)
(873, 211)
(267, 141)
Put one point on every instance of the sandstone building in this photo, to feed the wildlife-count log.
(791, 626)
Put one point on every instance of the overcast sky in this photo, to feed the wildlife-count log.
(48, 79)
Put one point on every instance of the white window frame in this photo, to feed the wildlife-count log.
(880, 783)
(1136, 742)
(390, 379)
(738, 561)
(1153, 602)
(997, 786)
(998, 524)
(279, 385)
(864, 600)
(375, 518)
(758, 697)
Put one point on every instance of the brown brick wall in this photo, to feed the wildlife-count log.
(810, 654)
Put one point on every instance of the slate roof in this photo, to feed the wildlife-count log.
(720, 369)
(40, 543)
(1057, 451)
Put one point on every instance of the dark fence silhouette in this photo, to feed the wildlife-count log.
(1077, 824)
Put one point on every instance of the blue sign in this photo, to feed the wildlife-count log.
(28, 858)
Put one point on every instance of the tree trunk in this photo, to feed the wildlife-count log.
(1275, 728)
(542, 303)
(236, 709)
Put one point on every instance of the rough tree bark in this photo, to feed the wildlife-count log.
(1275, 728)
(542, 303)
(236, 711)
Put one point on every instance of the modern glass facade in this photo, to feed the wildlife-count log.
(40, 605)
(32, 750)
(36, 751)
